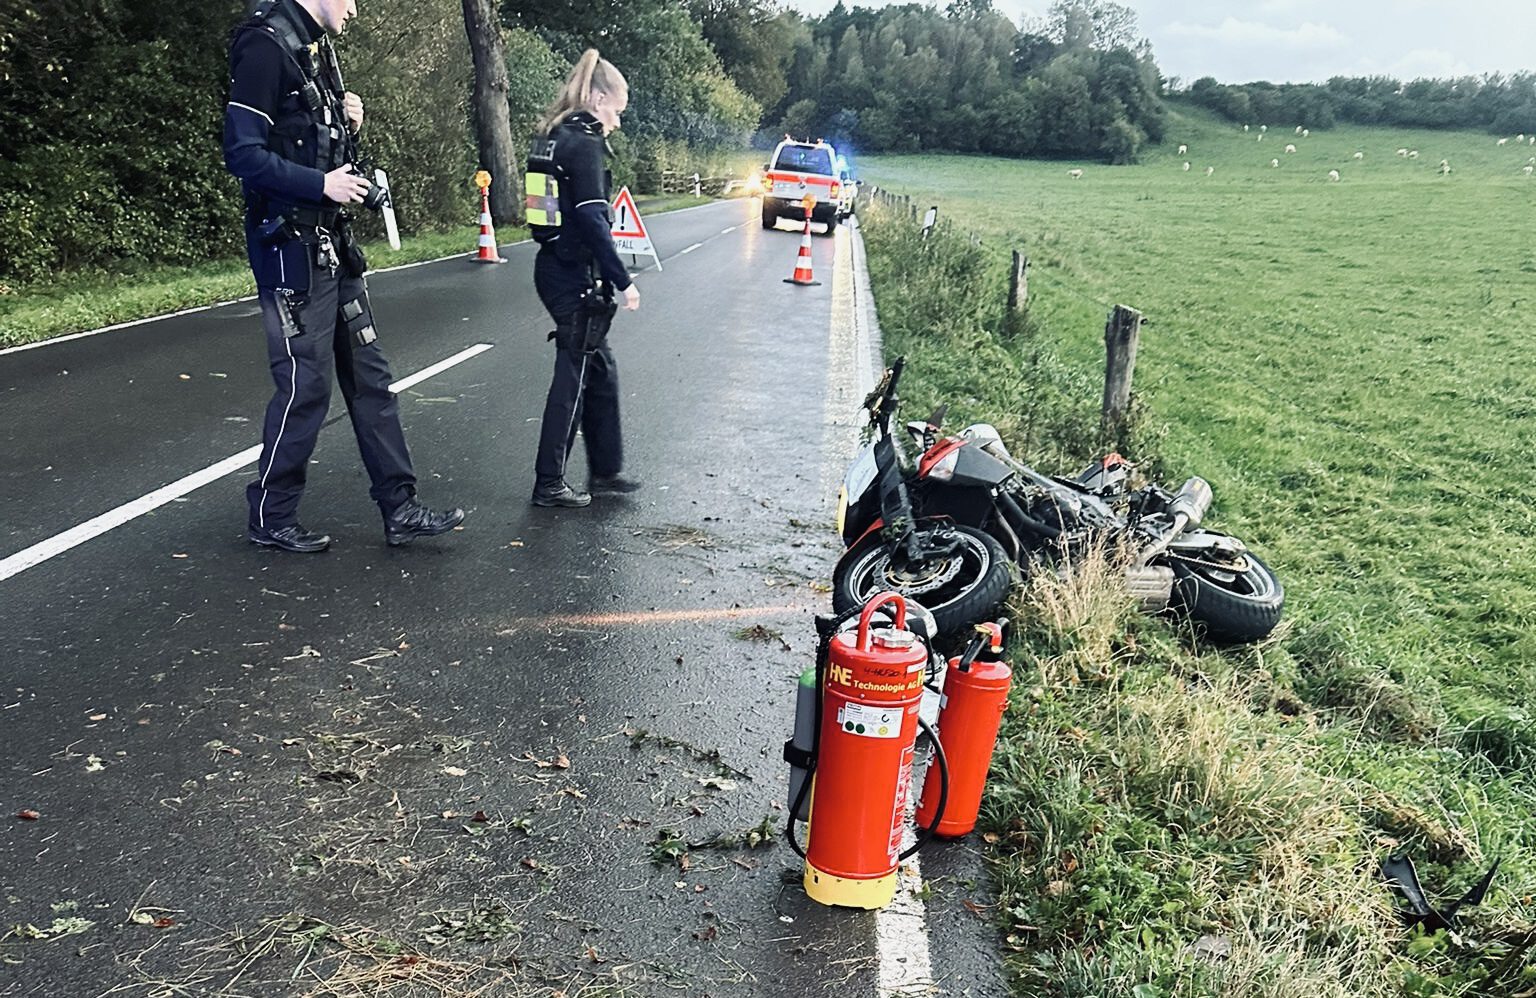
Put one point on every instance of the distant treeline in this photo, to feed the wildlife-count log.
(1500, 104)
(966, 79)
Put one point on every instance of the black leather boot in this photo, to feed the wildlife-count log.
(289, 538)
(411, 520)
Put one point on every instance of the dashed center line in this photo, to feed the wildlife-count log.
(727, 231)
(95, 527)
(689, 249)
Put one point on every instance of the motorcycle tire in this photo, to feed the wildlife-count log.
(957, 596)
(1237, 611)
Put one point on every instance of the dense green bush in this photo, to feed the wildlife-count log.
(111, 130)
(109, 138)
(1495, 102)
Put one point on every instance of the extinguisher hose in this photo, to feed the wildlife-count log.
(924, 834)
(826, 630)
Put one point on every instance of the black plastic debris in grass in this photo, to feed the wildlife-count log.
(1404, 879)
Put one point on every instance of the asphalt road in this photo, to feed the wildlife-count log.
(530, 755)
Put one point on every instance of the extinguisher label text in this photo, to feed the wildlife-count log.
(869, 722)
(841, 675)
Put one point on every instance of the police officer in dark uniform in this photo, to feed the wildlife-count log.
(576, 273)
(289, 133)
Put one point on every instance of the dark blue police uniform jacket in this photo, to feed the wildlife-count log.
(283, 131)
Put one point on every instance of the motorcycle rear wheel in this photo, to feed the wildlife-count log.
(1230, 607)
(959, 591)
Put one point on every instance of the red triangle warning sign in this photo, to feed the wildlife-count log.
(629, 235)
(626, 217)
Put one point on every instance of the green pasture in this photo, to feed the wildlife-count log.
(1346, 362)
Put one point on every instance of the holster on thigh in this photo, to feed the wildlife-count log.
(357, 316)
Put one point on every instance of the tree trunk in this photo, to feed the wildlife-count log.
(493, 128)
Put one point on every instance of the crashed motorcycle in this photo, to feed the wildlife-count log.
(951, 532)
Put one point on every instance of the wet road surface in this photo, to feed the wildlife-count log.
(534, 755)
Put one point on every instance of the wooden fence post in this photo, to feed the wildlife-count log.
(1121, 334)
(1018, 283)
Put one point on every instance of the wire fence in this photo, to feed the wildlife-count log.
(901, 206)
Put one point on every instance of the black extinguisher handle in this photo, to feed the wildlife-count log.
(988, 634)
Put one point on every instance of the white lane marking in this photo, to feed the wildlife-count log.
(203, 308)
(901, 937)
(689, 249)
(77, 535)
(235, 301)
(727, 231)
(439, 367)
(121, 325)
(901, 930)
(96, 526)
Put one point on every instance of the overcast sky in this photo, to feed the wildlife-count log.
(1298, 40)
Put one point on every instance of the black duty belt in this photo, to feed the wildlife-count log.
(312, 218)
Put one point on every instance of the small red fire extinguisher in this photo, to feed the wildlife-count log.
(970, 713)
(870, 682)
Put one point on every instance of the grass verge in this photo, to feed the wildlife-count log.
(81, 301)
(1172, 820)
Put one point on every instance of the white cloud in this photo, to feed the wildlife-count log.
(1235, 32)
(1435, 63)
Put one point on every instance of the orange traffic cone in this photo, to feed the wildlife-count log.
(802, 274)
(486, 253)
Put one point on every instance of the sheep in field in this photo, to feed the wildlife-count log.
(1290, 148)
(1445, 167)
(1333, 176)
(1402, 152)
(1274, 162)
(1359, 155)
(1210, 170)
(1183, 150)
(1306, 133)
(1520, 137)
(1413, 154)
(1245, 128)
(1298, 129)
(1075, 174)
(1186, 166)
(1261, 136)
(1529, 170)
(1533, 140)
(1504, 141)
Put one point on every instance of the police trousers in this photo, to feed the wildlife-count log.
(309, 337)
(584, 392)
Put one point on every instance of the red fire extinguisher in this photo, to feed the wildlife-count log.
(975, 696)
(871, 685)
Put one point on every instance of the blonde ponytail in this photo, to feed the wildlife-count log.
(591, 72)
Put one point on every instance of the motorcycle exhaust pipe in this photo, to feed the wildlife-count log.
(1192, 501)
(1151, 587)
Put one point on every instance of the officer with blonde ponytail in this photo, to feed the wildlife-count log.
(577, 272)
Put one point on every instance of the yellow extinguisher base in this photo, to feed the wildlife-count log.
(842, 892)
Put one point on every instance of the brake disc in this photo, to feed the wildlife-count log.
(924, 582)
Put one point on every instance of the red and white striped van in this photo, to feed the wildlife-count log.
(798, 169)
